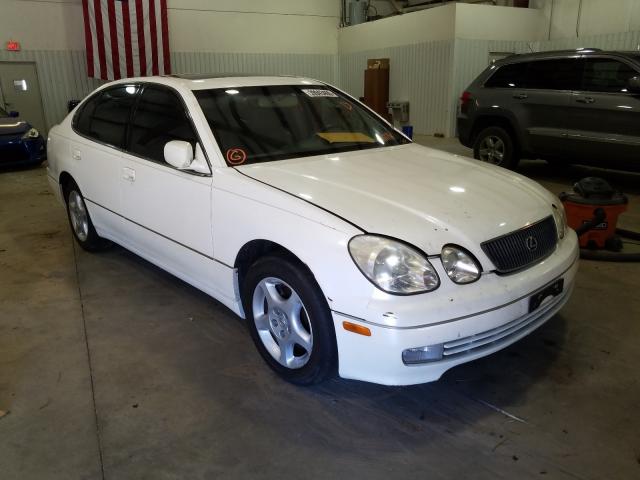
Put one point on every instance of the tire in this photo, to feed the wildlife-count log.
(289, 320)
(495, 145)
(80, 222)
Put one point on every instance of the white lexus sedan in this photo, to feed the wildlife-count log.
(346, 247)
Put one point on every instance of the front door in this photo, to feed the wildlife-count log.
(20, 91)
(603, 127)
(167, 211)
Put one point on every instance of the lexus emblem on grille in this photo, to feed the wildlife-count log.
(531, 243)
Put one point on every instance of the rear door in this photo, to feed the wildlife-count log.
(96, 153)
(603, 126)
(535, 95)
(543, 104)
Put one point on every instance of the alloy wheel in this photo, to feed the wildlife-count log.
(492, 150)
(282, 322)
(78, 215)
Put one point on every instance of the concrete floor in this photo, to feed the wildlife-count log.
(111, 368)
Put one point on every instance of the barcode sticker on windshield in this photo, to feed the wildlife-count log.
(316, 92)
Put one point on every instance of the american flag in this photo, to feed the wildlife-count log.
(126, 38)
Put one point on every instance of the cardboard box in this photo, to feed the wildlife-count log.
(378, 63)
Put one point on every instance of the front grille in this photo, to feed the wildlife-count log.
(506, 333)
(523, 247)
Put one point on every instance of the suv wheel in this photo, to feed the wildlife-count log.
(496, 146)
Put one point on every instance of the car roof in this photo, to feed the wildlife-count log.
(209, 81)
(522, 57)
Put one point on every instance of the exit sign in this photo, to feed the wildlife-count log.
(13, 46)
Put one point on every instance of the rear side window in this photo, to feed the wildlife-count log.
(508, 76)
(105, 116)
(556, 74)
(606, 75)
(159, 118)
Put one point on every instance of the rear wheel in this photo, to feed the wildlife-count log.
(80, 221)
(495, 145)
(289, 320)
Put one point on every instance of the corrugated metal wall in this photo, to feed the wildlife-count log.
(62, 76)
(420, 73)
(430, 75)
(610, 41)
(321, 67)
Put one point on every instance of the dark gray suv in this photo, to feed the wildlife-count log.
(578, 106)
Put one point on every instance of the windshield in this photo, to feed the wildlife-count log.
(267, 123)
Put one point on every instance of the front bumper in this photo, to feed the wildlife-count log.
(464, 129)
(378, 358)
(18, 151)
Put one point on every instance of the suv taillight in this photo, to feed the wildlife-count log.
(465, 98)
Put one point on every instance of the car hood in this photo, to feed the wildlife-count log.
(424, 196)
(13, 126)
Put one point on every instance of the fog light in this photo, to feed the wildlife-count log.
(430, 353)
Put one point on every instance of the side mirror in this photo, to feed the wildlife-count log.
(14, 114)
(178, 153)
(633, 84)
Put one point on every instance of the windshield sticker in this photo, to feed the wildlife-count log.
(345, 137)
(317, 92)
(346, 106)
(387, 136)
(236, 156)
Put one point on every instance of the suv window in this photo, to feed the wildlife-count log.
(508, 76)
(159, 118)
(606, 75)
(104, 117)
(554, 74)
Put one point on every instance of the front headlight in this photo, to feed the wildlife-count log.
(560, 217)
(393, 266)
(460, 265)
(32, 133)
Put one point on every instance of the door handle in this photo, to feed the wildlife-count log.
(520, 96)
(76, 155)
(585, 99)
(129, 174)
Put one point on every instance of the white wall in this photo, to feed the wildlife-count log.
(488, 22)
(297, 37)
(52, 25)
(254, 26)
(596, 17)
(431, 54)
(417, 27)
(248, 26)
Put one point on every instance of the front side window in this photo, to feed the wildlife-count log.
(159, 118)
(606, 75)
(267, 123)
(104, 117)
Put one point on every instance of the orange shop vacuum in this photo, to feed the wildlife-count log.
(592, 209)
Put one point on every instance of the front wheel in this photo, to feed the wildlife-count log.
(289, 320)
(496, 146)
